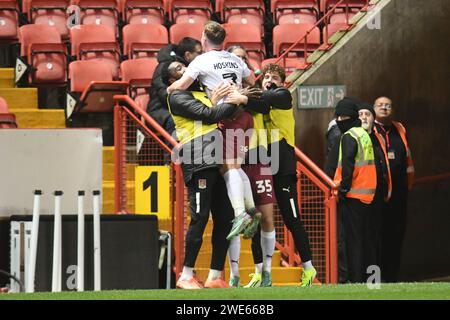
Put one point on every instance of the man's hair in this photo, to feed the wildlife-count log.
(215, 33)
(234, 47)
(186, 44)
(274, 68)
(167, 71)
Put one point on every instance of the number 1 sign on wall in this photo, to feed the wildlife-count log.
(152, 191)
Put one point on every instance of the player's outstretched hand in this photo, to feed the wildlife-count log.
(221, 91)
(251, 92)
(235, 97)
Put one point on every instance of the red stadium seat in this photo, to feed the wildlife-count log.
(44, 53)
(295, 11)
(326, 5)
(92, 87)
(48, 12)
(332, 28)
(242, 11)
(190, 11)
(138, 73)
(9, 21)
(285, 35)
(7, 120)
(289, 64)
(96, 42)
(99, 12)
(342, 16)
(249, 37)
(142, 11)
(144, 40)
(180, 30)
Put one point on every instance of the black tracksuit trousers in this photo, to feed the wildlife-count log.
(285, 187)
(393, 232)
(208, 192)
(353, 218)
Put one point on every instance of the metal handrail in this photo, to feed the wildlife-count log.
(305, 36)
(304, 165)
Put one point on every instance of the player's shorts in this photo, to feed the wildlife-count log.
(262, 184)
(236, 146)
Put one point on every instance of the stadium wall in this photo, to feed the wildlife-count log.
(406, 59)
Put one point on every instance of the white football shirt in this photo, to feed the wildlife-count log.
(213, 67)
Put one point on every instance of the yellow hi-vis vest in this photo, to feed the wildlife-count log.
(284, 122)
(259, 136)
(364, 180)
(188, 129)
(409, 161)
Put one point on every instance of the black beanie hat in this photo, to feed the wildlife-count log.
(366, 106)
(347, 107)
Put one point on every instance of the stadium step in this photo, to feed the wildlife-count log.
(6, 78)
(20, 98)
(279, 274)
(245, 259)
(108, 195)
(108, 171)
(108, 155)
(35, 118)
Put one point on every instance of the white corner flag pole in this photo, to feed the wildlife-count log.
(97, 251)
(56, 276)
(34, 239)
(80, 242)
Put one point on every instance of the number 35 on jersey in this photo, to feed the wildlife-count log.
(152, 191)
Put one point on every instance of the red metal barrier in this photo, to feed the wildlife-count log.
(129, 118)
(316, 201)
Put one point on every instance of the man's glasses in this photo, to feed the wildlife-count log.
(384, 105)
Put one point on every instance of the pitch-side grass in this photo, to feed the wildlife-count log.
(400, 291)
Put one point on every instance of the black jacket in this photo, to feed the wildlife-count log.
(281, 98)
(381, 167)
(183, 104)
(349, 151)
(332, 153)
(157, 106)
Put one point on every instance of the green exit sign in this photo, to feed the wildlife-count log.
(315, 97)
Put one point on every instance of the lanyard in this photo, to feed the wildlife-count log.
(386, 133)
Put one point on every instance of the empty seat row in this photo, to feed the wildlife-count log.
(65, 13)
(92, 87)
(47, 56)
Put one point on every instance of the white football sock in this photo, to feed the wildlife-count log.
(234, 251)
(214, 274)
(307, 265)
(248, 194)
(235, 190)
(187, 273)
(268, 247)
(258, 268)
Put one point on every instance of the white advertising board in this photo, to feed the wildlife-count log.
(49, 159)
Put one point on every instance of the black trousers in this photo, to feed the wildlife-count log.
(285, 187)
(393, 232)
(208, 192)
(373, 228)
(353, 219)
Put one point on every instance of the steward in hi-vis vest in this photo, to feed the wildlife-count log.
(364, 175)
(395, 211)
(356, 177)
